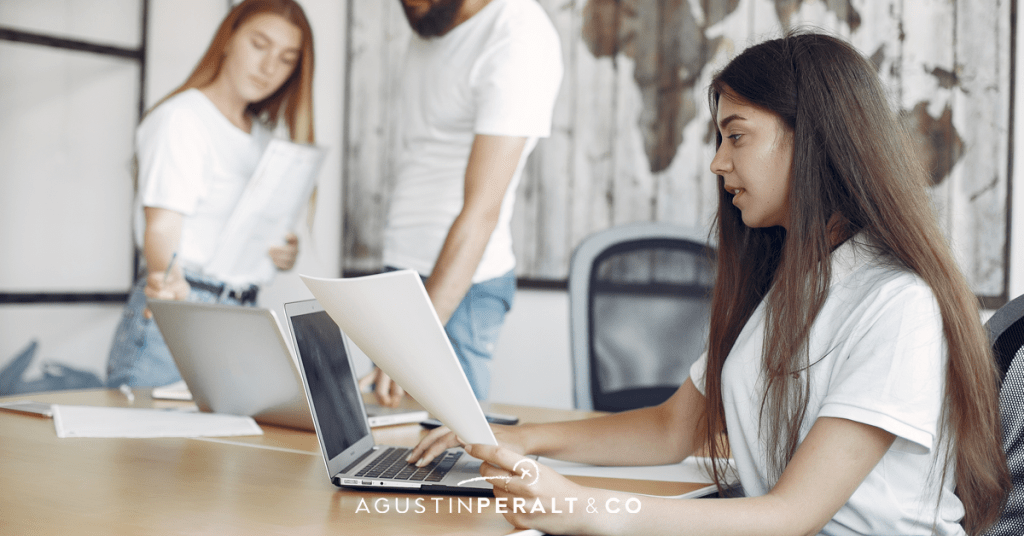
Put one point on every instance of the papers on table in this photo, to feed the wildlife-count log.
(689, 470)
(692, 469)
(95, 421)
(390, 318)
(266, 212)
(174, 391)
(29, 407)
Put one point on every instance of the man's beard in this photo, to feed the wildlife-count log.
(437, 20)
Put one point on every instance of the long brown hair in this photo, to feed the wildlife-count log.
(853, 172)
(295, 95)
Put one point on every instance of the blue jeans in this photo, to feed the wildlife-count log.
(474, 327)
(138, 356)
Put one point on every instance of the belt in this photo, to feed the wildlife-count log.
(244, 296)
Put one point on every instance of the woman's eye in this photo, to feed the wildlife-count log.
(734, 137)
(259, 45)
(289, 60)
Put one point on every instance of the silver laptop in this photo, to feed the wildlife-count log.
(352, 457)
(235, 360)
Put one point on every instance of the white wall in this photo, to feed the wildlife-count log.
(532, 363)
(66, 122)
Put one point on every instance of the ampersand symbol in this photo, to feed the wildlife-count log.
(591, 509)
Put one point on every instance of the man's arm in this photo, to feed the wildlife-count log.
(492, 162)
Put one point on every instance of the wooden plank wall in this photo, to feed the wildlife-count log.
(632, 139)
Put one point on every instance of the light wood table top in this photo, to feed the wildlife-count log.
(270, 484)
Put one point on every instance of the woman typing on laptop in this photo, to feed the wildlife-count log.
(196, 150)
(846, 362)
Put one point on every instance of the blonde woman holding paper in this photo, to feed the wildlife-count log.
(196, 151)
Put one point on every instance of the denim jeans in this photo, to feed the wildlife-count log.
(474, 327)
(138, 356)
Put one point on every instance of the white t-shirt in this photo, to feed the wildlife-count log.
(497, 73)
(878, 357)
(194, 161)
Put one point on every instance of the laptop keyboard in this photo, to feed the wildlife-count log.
(391, 464)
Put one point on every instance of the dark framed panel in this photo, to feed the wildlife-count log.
(65, 96)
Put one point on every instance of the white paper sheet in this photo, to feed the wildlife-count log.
(691, 469)
(174, 391)
(267, 211)
(95, 421)
(390, 318)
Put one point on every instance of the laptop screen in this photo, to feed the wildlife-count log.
(333, 388)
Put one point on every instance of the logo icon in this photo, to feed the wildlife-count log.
(530, 470)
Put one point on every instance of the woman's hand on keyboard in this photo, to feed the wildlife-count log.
(442, 438)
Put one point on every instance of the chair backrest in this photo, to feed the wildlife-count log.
(639, 301)
(1006, 330)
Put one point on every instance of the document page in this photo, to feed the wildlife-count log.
(175, 391)
(94, 421)
(692, 469)
(267, 211)
(390, 318)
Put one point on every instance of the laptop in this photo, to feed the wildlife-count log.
(352, 457)
(235, 360)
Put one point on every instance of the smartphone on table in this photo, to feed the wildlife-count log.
(493, 418)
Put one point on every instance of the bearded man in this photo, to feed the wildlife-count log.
(478, 91)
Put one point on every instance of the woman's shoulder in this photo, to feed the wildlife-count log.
(186, 110)
(179, 123)
(862, 269)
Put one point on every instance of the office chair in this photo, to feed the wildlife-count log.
(639, 300)
(1006, 330)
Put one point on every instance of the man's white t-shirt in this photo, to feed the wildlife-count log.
(878, 356)
(194, 161)
(498, 74)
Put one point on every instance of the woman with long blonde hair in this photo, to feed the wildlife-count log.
(196, 149)
(846, 364)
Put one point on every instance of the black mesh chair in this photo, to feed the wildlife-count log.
(639, 297)
(1006, 329)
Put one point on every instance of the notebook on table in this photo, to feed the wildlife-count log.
(352, 457)
(235, 360)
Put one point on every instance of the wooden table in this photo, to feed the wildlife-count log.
(270, 484)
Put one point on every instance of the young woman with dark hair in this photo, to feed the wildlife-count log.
(846, 362)
(196, 150)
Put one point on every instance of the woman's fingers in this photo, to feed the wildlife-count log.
(495, 455)
(387, 392)
(432, 445)
(284, 255)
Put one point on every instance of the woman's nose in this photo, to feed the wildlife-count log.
(721, 164)
(267, 64)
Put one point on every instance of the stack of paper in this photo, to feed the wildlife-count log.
(94, 421)
(691, 469)
(175, 391)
